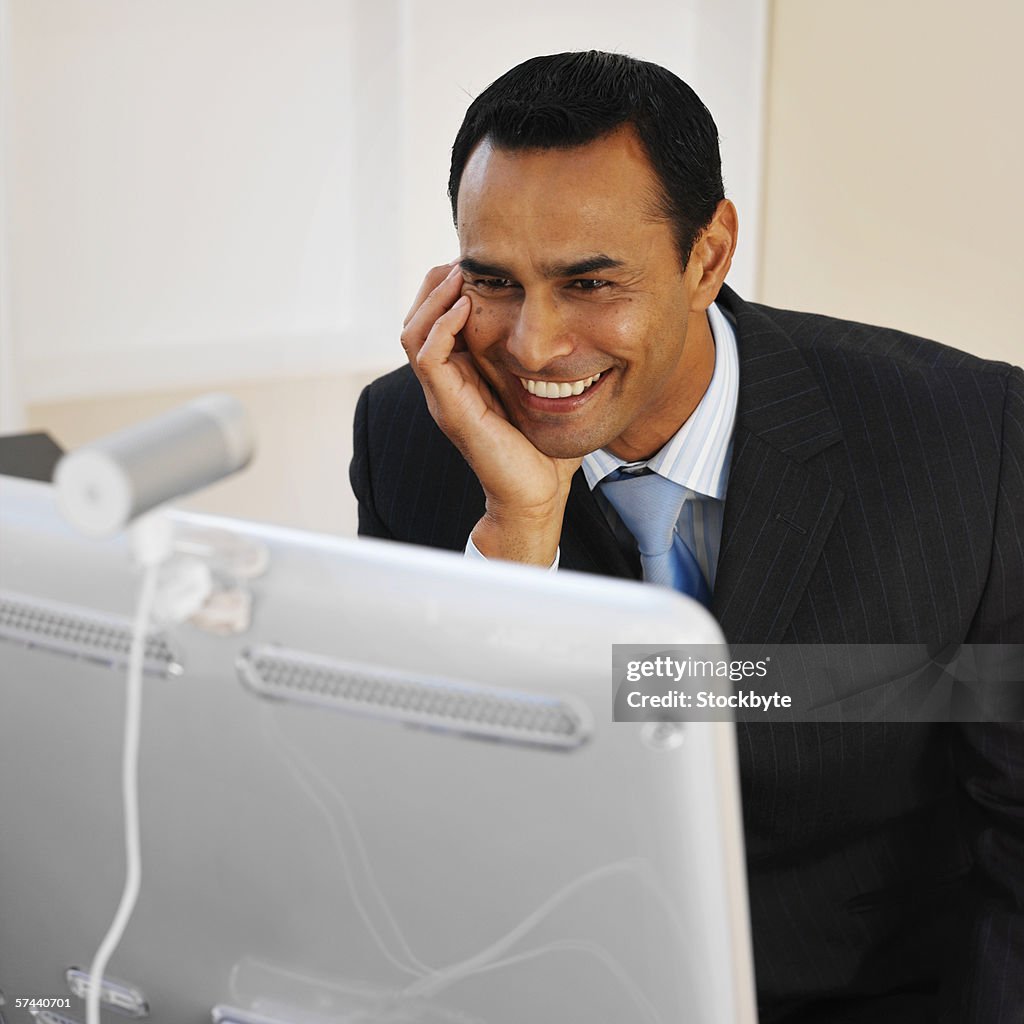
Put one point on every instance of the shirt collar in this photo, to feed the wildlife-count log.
(697, 455)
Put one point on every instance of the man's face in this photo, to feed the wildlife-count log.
(573, 277)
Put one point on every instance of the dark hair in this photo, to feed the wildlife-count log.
(569, 99)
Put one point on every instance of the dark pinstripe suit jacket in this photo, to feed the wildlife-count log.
(875, 496)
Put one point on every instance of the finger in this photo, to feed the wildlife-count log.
(438, 302)
(435, 276)
(441, 340)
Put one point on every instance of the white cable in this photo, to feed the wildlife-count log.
(130, 791)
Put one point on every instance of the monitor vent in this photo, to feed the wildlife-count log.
(51, 1017)
(402, 696)
(80, 633)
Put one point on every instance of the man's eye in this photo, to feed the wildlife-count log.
(495, 284)
(590, 284)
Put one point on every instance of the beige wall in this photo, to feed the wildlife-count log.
(893, 166)
(299, 476)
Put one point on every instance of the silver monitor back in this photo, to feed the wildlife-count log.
(396, 793)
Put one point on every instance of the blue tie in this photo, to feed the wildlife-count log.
(649, 505)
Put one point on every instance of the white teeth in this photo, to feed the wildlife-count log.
(557, 389)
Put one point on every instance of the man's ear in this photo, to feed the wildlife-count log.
(711, 255)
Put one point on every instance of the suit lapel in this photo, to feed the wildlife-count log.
(588, 544)
(779, 506)
(778, 514)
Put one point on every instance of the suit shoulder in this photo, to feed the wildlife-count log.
(398, 389)
(822, 335)
(423, 492)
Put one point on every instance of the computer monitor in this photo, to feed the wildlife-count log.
(377, 783)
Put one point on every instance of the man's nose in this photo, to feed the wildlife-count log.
(539, 335)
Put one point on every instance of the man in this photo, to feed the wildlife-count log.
(838, 483)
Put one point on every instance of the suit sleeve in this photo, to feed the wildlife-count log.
(370, 522)
(989, 979)
(1000, 615)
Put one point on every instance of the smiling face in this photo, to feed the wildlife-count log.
(583, 321)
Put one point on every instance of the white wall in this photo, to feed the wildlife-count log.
(183, 186)
(12, 407)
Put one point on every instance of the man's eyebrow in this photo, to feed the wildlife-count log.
(481, 269)
(587, 265)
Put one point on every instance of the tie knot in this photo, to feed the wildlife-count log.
(649, 505)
